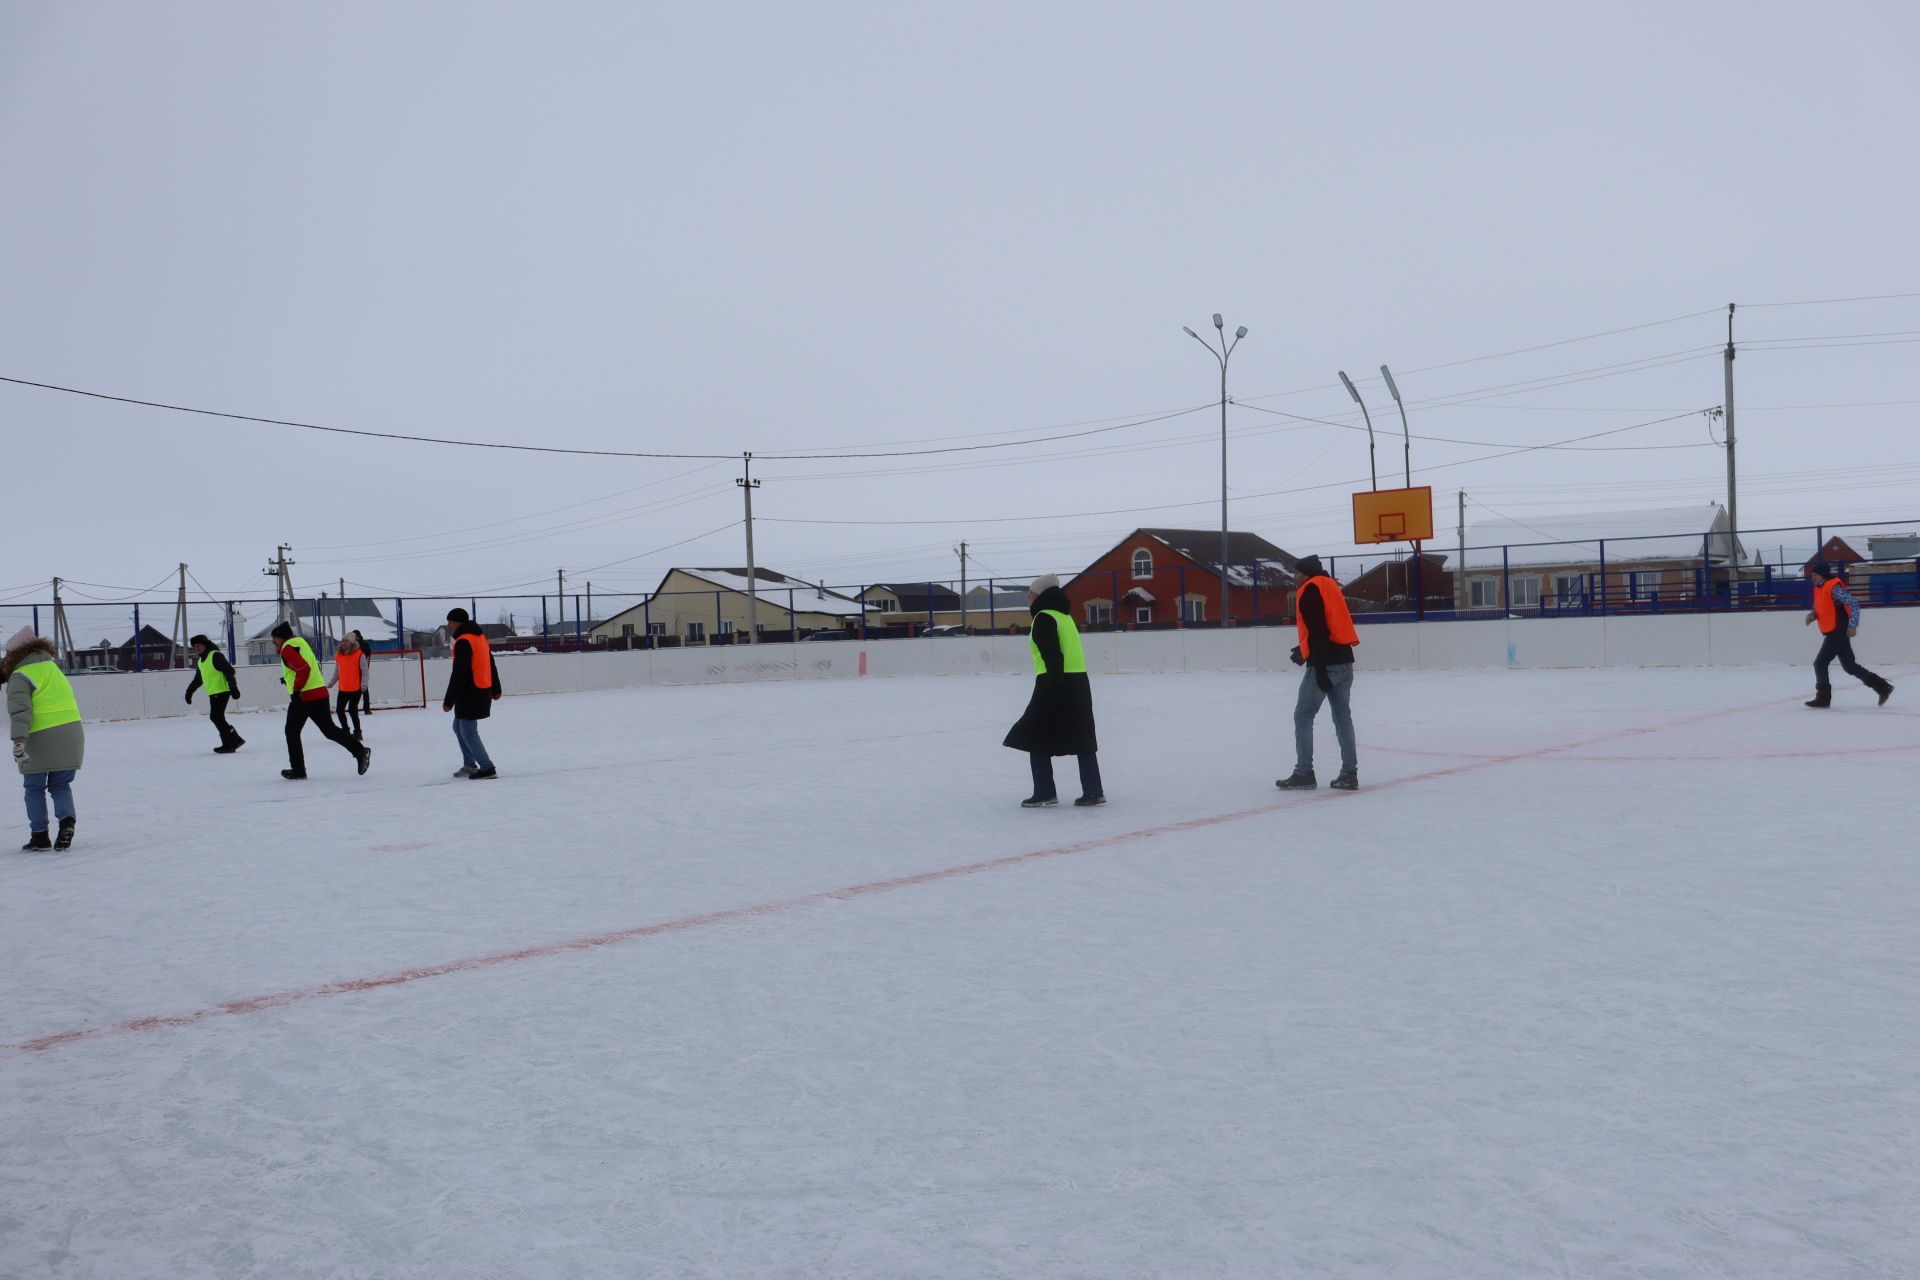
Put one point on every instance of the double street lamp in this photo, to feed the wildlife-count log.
(1222, 353)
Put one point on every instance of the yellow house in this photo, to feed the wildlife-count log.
(697, 606)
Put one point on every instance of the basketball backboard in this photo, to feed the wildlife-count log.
(1393, 515)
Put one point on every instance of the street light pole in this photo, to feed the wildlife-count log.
(1223, 353)
(1406, 436)
(1371, 469)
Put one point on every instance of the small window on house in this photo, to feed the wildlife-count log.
(626, 631)
(1143, 614)
(1526, 591)
(726, 626)
(696, 632)
(1568, 587)
(1143, 563)
(1193, 610)
(1483, 593)
(656, 628)
(1099, 614)
(1645, 585)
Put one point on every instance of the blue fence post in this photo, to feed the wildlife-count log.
(546, 644)
(232, 651)
(646, 621)
(1506, 582)
(793, 623)
(1603, 577)
(719, 616)
(1113, 590)
(863, 614)
(36, 619)
(400, 624)
(1256, 593)
(929, 606)
(993, 614)
(139, 649)
(1419, 583)
(1706, 567)
(317, 614)
(1182, 589)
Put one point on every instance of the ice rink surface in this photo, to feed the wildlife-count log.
(1601, 974)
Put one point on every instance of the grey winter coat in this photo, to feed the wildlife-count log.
(48, 750)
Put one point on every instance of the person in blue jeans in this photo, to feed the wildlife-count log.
(472, 688)
(49, 743)
(1327, 639)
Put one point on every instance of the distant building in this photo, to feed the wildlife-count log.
(1833, 553)
(1171, 577)
(1894, 546)
(710, 606)
(322, 623)
(1555, 562)
(1390, 586)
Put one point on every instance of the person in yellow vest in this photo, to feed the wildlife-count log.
(307, 683)
(1059, 716)
(1326, 646)
(49, 744)
(1838, 614)
(215, 674)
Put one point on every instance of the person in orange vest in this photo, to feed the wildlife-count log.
(1326, 646)
(472, 689)
(1838, 614)
(350, 678)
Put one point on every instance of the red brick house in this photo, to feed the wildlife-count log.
(1390, 585)
(1170, 578)
(1834, 552)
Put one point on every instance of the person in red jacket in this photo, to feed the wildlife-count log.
(300, 670)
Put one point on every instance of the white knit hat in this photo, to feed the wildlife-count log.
(1043, 584)
(21, 639)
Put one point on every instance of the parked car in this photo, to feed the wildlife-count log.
(948, 629)
(829, 635)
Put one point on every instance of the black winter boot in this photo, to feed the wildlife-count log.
(1298, 780)
(1822, 697)
(37, 843)
(1348, 780)
(1039, 802)
(64, 841)
(1884, 688)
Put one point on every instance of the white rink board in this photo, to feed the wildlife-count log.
(1674, 640)
(1591, 978)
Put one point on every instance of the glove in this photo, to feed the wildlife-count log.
(1852, 632)
(1322, 680)
(234, 694)
(1296, 658)
(1807, 621)
(19, 753)
(189, 699)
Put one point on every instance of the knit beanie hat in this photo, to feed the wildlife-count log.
(1043, 584)
(283, 632)
(1310, 567)
(21, 639)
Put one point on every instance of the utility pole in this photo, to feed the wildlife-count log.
(1460, 565)
(1733, 483)
(283, 585)
(178, 641)
(589, 602)
(747, 485)
(963, 588)
(560, 597)
(62, 633)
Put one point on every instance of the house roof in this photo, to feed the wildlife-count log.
(1398, 565)
(1248, 555)
(773, 588)
(921, 591)
(1654, 533)
(1835, 550)
(372, 626)
(149, 637)
(356, 607)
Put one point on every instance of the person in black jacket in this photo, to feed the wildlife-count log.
(212, 670)
(472, 689)
(1326, 645)
(1059, 717)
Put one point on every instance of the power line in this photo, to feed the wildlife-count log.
(1827, 302)
(590, 453)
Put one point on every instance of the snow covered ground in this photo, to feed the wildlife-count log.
(1602, 974)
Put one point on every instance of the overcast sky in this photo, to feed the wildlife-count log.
(792, 228)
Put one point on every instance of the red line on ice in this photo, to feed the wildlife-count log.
(302, 995)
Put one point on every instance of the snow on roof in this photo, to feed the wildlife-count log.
(1657, 533)
(773, 588)
(1138, 593)
(373, 628)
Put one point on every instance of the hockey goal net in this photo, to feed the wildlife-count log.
(396, 679)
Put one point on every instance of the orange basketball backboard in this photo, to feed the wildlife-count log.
(1393, 515)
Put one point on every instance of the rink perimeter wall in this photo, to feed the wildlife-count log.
(1889, 637)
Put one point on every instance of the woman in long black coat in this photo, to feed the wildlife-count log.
(1059, 716)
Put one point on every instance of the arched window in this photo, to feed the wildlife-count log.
(1143, 563)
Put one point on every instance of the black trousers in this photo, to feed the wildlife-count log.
(298, 713)
(218, 714)
(1043, 784)
(1836, 644)
(352, 703)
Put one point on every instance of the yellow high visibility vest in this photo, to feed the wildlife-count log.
(316, 678)
(53, 700)
(1073, 657)
(210, 679)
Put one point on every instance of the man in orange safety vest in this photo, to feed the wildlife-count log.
(1326, 646)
